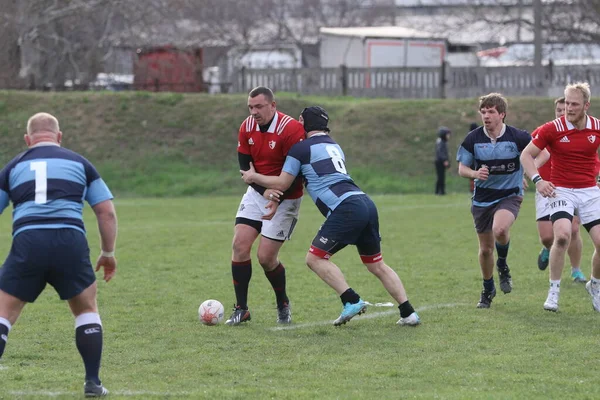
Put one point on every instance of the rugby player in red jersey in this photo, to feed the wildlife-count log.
(573, 141)
(542, 211)
(264, 139)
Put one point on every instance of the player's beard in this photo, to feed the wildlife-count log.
(575, 119)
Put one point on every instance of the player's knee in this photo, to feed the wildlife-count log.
(561, 239)
(311, 260)
(486, 251)
(268, 261)
(500, 232)
(241, 249)
(377, 268)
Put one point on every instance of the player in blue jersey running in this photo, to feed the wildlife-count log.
(490, 155)
(47, 185)
(351, 215)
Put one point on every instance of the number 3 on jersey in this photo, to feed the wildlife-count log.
(41, 181)
(336, 159)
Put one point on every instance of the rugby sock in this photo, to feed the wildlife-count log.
(406, 309)
(488, 284)
(350, 296)
(502, 250)
(88, 337)
(241, 272)
(4, 329)
(555, 285)
(575, 269)
(277, 279)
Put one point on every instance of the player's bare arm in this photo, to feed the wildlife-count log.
(107, 225)
(542, 158)
(279, 183)
(468, 172)
(528, 161)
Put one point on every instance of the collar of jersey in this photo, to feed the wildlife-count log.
(272, 126)
(497, 137)
(588, 123)
(41, 144)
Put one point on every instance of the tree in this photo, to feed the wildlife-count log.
(53, 41)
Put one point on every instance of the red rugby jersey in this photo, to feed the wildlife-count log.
(269, 149)
(574, 152)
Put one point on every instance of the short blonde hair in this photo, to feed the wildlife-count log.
(42, 122)
(494, 100)
(583, 87)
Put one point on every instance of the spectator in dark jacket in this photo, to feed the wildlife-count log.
(442, 162)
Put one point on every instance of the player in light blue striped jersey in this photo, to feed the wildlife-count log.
(351, 216)
(47, 185)
(490, 155)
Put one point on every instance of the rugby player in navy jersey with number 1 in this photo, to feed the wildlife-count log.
(47, 185)
(351, 215)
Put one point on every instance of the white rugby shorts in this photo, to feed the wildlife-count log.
(542, 206)
(583, 202)
(281, 226)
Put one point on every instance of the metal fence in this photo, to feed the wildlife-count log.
(434, 82)
(442, 82)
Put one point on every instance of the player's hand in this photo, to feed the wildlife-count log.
(110, 266)
(248, 176)
(546, 188)
(525, 183)
(273, 195)
(446, 164)
(272, 207)
(482, 173)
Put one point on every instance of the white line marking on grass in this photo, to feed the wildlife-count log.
(3, 367)
(365, 316)
(41, 393)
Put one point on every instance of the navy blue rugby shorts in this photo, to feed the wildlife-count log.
(60, 257)
(355, 221)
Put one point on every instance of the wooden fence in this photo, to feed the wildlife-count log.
(452, 82)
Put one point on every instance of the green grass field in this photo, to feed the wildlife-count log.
(175, 253)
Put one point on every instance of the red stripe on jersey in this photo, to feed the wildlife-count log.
(559, 125)
(284, 121)
(371, 259)
(319, 253)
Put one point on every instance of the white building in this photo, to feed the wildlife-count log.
(386, 46)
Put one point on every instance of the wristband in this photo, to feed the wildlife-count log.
(107, 253)
(536, 178)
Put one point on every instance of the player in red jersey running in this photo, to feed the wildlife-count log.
(264, 139)
(542, 211)
(573, 140)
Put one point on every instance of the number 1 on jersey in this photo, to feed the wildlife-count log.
(41, 181)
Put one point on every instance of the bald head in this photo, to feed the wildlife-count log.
(42, 127)
(42, 122)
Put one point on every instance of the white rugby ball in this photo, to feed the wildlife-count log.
(211, 312)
